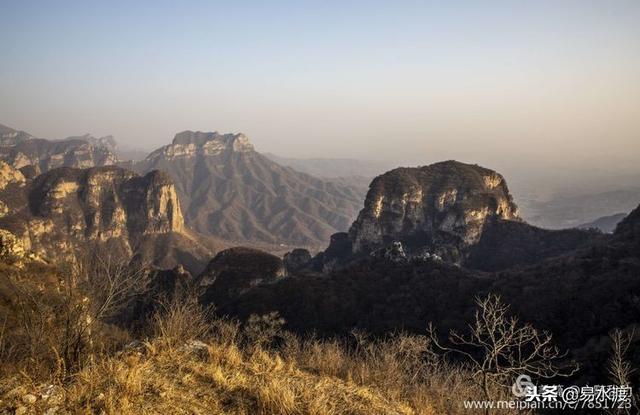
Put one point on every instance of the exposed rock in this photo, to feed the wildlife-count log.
(20, 149)
(66, 209)
(188, 144)
(10, 137)
(11, 248)
(29, 399)
(197, 348)
(296, 260)
(9, 175)
(393, 252)
(107, 202)
(235, 193)
(444, 206)
(454, 212)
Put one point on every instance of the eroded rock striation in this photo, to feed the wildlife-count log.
(454, 212)
(66, 209)
(440, 209)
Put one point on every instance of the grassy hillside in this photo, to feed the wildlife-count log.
(183, 360)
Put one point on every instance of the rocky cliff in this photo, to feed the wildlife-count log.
(66, 209)
(442, 208)
(231, 191)
(450, 211)
(20, 149)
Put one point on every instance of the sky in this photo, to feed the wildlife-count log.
(495, 82)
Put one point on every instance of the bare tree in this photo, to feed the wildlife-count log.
(498, 348)
(112, 282)
(618, 367)
(100, 286)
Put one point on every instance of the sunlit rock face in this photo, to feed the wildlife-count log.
(190, 144)
(107, 202)
(65, 209)
(9, 175)
(440, 208)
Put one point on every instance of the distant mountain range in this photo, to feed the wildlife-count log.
(606, 224)
(569, 211)
(229, 190)
(334, 167)
(20, 149)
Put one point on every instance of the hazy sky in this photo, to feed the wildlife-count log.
(418, 81)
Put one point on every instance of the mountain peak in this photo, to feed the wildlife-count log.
(107, 141)
(441, 208)
(10, 136)
(237, 142)
(188, 144)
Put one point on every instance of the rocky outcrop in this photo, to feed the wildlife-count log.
(10, 137)
(11, 248)
(11, 183)
(20, 149)
(107, 202)
(9, 175)
(189, 144)
(443, 206)
(453, 212)
(231, 191)
(68, 209)
(236, 270)
(437, 211)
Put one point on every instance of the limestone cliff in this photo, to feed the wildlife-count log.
(66, 209)
(442, 207)
(190, 144)
(11, 181)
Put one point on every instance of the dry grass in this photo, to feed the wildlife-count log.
(229, 373)
(192, 363)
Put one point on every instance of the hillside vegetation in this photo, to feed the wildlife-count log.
(59, 355)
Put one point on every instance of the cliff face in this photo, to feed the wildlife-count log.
(189, 144)
(231, 191)
(106, 202)
(20, 149)
(66, 209)
(441, 208)
(12, 182)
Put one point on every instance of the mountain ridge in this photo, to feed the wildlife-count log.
(234, 192)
